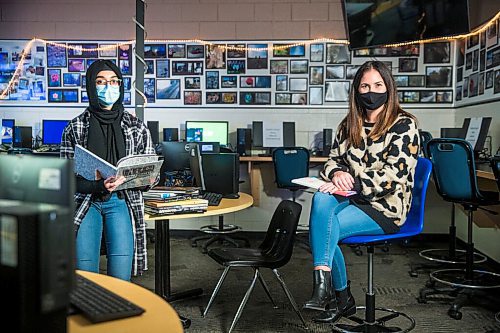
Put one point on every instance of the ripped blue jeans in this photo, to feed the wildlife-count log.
(330, 222)
(114, 217)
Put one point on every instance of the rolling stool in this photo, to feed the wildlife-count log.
(219, 233)
(413, 226)
(460, 186)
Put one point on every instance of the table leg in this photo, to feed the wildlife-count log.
(162, 265)
(255, 176)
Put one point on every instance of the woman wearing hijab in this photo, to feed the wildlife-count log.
(110, 132)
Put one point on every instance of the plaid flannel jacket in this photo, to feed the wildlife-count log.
(137, 141)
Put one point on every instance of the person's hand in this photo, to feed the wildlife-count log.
(328, 187)
(110, 183)
(343, 180)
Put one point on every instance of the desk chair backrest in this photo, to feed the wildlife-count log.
(280, 235)
(425, 137)
(454, 171)
(495, 166)
(290, 163)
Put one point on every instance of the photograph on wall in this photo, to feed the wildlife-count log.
(316, 95)
(262, 98)
(283, 98)
(297, 51)
(177, 50)
(411, 96)
(416, 81)
(228, 81)
(110, 51)
(125, 66)
(56, 56)
(127, 98)
(493, 57)
(472, 41)
(192, 97)
(489, 80)
(229, 97)
(192, 82)
(213, 97)
(299, 98)
(280, 50)
(82, 50)
(236, 51)
(465, 89)
(337, 54)
(84, 98)
(316, 52)
(256, 56)
(496, 84)
(149, 89)
(458, 93)
(492, 35)
(55, 95)
(76, 65)
(299, 66)
(263, 81)
(155, 50)
(279, 67)
(212, 79)
(437, 53)
(71, 79)
(298, 84)
(337, 91)
(281, 82)
(408, 65)
(460, 52)
(475, 60)
(481, 84)
(350, 71)
(70, 95)
(468, 61)
(438, 76)
(127, 82)
(482, 39)
(168, 89)
(89, 62)
(215, 57)
(54, 77)
(125, 52)
(460, 74)
(427, 96)
(187, 67)
(195, 51)
(163, 68)
(401, 80)
(316, 75)
(247, 81)
(149, 67)
(335, 72)
(482, 60)
(236, 67)
(444, 96)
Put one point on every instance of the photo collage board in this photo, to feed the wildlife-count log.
(196, 75)
(477, 66)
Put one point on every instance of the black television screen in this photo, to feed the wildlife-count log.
(376, 23)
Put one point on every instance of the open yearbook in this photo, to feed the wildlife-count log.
(314, 182)
(139, 170)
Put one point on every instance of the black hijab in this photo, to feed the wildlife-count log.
(105, 137)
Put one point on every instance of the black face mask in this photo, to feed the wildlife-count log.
(372, 100)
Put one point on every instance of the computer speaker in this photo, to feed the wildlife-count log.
(154, 130)
(244, 141)
(327, 141)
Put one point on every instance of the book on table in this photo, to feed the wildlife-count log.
(161, 207)
(314, 182)
(139, 170)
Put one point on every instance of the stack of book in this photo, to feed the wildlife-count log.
(174, 200)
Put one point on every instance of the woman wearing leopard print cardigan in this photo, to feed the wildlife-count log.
(374, 153)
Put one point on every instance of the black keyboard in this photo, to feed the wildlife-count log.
(213, 198)
(98, 304)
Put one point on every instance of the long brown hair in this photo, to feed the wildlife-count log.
(353, 122)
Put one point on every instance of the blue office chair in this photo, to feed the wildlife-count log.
(413, 226)
(454, 174)
(290, 163)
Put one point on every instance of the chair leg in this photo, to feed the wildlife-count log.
(290, 297)
(244, 301)
(266, 289)
(216, 289)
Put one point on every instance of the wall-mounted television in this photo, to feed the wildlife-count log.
(371, 23)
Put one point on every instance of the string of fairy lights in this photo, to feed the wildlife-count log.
(27, 48)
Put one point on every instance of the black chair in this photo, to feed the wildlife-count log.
(454, 174)
(495, 166)
(445, 257)
(290, 163)
(273, 253)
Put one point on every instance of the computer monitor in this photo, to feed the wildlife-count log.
(23, 137)
(213, 131)
(195, 164)
(7, 130)
(52, 131)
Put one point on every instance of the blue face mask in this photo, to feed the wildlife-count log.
(108, 95)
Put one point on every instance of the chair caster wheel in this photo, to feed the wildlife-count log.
(413, 274)
(430, 284)
(421, 300)
(457, 315)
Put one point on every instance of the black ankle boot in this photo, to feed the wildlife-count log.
(322, 290)
(342, 306)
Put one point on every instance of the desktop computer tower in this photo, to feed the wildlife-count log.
(155, 131)
(244, 141)
(327, 141)
(257, 134)
(221, 173)
(288, 134)
(36, 265)
(171, 134)
(23, 137)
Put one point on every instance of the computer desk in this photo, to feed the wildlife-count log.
(162, 243)
(159, 316)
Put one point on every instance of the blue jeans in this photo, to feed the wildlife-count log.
(114, 217)
(330, 222)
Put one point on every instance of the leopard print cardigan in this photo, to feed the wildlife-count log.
(383, 170)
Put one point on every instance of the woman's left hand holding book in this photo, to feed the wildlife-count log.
(112, 182)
